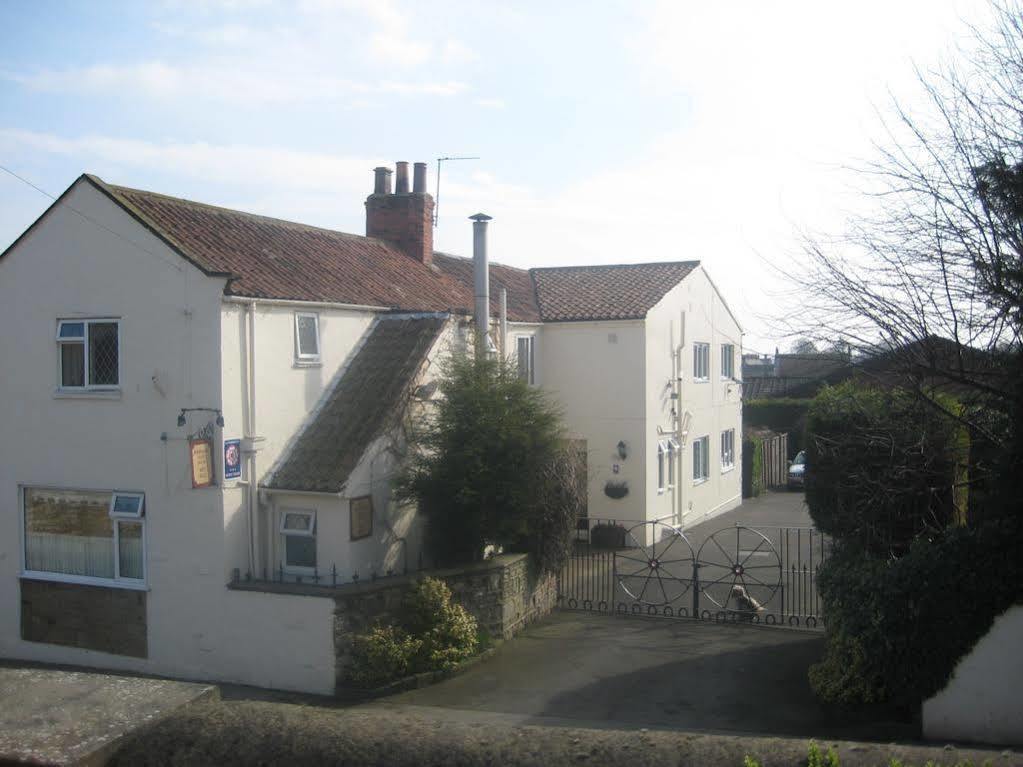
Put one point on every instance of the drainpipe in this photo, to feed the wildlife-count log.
(252, 494)
(504, 322)
(481, 284)
(680, 477)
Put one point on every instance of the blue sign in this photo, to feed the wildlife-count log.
(232, 458)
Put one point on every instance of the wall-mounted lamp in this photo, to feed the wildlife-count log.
(181, 415)
(623, 450)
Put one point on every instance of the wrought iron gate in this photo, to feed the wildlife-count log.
(735, 574)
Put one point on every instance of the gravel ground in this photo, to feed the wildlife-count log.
(248, 733)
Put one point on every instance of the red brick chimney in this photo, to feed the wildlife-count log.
(402, 218)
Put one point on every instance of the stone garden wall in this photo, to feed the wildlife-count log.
(502, 594)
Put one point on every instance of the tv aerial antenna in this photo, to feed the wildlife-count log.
(436, 197)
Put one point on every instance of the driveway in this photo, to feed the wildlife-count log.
(588, 670)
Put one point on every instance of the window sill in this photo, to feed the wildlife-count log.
(109, 394)
(701, 380)
(726, 469)
(83, 580)
(307, 364)
(700, 481)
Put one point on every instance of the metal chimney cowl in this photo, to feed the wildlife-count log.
(481, 283)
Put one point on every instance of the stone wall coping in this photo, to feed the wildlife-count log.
(493, 564)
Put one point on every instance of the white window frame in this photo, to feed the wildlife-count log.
(662, 453)
(118, 581)
(674, 449)
(84, 339)
(310, 533)
(701, 457)
(727, 458)
(728, 355)
(299, 355)
(140, 508)
(701, 354)
(531, 362)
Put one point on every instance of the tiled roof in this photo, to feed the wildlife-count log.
(619, 292)
(271, 258)
(275, 259)
(358, 406)
(522, 305)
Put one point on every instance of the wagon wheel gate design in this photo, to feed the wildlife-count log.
(735, 574)
(657, 571)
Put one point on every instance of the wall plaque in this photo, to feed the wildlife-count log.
(201, 452)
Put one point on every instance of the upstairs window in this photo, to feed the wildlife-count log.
(525, 351)
(727, 449)
(307, 337)
(89, 354)
(701, 362)
(701, 459)
(727, 361)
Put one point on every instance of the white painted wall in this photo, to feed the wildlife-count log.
(982, 702)
(109, 266)
(715, 405)
(596, 371)
(396, 541)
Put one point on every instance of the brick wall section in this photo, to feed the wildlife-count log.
(502, 593)
(91, 617)
(404, 220)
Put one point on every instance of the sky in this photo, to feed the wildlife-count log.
(607, 131)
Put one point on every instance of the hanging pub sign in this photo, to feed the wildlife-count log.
(201, 452)
(232, 458)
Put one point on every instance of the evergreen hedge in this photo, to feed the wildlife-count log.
(883, 466)
(785, 415)
(897, 627)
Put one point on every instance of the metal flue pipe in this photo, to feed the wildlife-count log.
(481, 283)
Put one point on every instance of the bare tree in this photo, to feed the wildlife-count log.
(934, 277)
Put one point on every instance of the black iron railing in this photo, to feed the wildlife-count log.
(737, 574)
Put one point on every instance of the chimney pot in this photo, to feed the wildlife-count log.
(401, 182)
(419, 178)
(381, 181)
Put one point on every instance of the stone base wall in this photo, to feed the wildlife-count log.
(501, 593)
(91, 617)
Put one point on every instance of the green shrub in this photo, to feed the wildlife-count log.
(883, 466)
(752, 466)
(490, 467)
(784, 415)
(385, 654)
(446, 632)
(897, 627)
(433, 634)
(816, 758)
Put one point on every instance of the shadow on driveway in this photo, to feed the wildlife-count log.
(608, 671)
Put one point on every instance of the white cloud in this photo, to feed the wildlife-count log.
(491, 103)
(223, 83)
(455, 52)
(399, 50)
(252, 167)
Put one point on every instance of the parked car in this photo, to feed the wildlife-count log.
(797, 471)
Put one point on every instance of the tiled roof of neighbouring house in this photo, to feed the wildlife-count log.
(358, 407)
(275, 259)
(619, 292)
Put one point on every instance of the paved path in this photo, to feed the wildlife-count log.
(51, 716)
(602, 671)
(775, 508)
